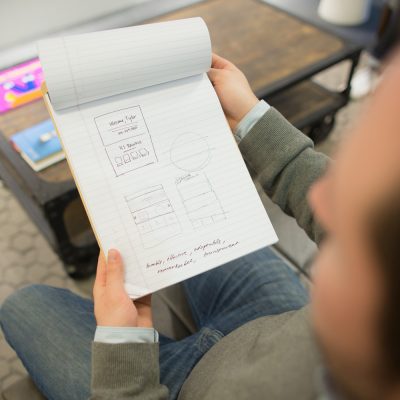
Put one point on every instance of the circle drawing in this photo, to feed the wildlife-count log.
(190, 152)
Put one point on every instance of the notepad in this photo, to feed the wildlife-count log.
(155, 162)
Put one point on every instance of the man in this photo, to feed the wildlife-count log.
(257, 338)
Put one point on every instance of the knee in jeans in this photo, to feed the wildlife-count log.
(22, 300)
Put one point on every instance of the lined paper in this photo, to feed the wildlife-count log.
(82, 68)
(163, 181)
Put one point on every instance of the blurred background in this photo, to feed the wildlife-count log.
(315, 61)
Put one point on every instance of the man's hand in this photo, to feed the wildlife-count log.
(112, 305)
(232, 88)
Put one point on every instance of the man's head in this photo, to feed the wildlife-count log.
(356, 293)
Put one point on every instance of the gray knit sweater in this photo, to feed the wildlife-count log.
(271, 357)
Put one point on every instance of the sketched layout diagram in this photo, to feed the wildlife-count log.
(126, 139)
(153, 215)
(201, 202)
(190, 152)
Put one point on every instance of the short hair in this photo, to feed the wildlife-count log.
(385, 241)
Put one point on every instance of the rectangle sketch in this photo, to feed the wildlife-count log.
(153, 215)
(126, 139)
(201, 202)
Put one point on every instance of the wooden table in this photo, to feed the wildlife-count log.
(277, 52)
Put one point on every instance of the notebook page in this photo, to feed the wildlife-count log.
(82, 68)
(164, 182)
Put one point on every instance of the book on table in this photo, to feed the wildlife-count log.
(153, 157)
(38, 145)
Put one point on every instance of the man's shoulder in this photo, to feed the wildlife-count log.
(273, 354)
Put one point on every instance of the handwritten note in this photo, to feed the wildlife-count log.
(189, 257)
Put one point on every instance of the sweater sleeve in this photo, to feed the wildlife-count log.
(283, 160)
(126, 371)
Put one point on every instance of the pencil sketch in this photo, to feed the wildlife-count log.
(153, 215)
(190, 152)
(200, 200)
(126, 139)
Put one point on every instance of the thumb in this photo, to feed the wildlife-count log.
(214, 74)
(115, 269)
(101, 275)
(220, 62)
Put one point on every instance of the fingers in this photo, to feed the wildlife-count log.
(115, 269)
(213, 74)
(219, 62)
(219, 65)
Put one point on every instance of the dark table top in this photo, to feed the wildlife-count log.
(270, 46)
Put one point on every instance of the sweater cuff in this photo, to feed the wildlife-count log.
(114, 334)
(250, 119)
(119, 366)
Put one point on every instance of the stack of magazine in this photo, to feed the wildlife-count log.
(39, 145)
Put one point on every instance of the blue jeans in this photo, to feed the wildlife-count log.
(51, 329)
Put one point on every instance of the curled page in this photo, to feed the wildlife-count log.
(82, 68)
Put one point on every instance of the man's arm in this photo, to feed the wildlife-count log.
(284, 162)
(279, 156)
(125, 359)
(126, 371)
